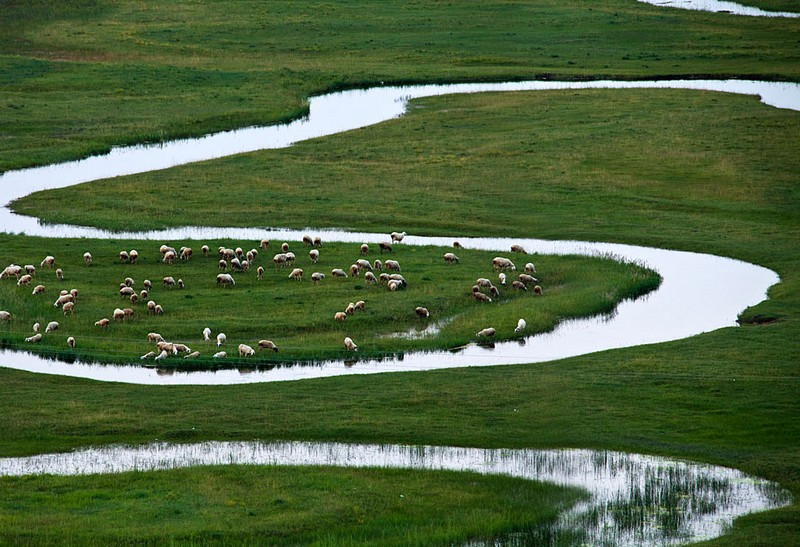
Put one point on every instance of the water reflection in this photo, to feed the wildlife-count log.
(635, 499)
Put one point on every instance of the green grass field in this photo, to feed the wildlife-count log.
(686, 170)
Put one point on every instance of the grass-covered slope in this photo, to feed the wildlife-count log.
(78, 77)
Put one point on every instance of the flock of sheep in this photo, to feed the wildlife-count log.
(237, 260)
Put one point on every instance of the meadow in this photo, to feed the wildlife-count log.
(686, 170)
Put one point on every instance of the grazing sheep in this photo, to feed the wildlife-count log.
(316, 277)
(63, 299)
(284, 247)
(483, 282)
(226, 280)
(239, 253)
(206, 334)
(148, 355)
(364, 264)
(537, 290)
(254, 252)
(364, 249)
(422, 312)
(118, 314)
(397, 237)
(489, 331)
(393, 285)
(480, 297)
(69, 307)
(182, 348)
(264, 244)
(36, 327)
(162, 355)
(220, 355)
(279, 260)
(186, 253)
(204, 249)
(313, 254)
(450, 258)
(260, 273)
(527, 279)
(398, 277)
(169, 257)
(102, 322)
(530, 268)
(71, 342)
(48, 261)
(349, 345)
(317, 241)
(151, 306)
(193, 355)
(244, 266)
(74, 294)
(181, 284)
(59, 274)
(143, 295)
(246, 351)
(133, 256)
(30, 269)
(502, 277)
(169, 281)
(24, 280)
(354, 271)
(4, 315)
(154, 337)
(221, 338)
(360, 305)
(129, 282)
(519, 285)
(308, 241)
(13, 269)
(123, 256)
(134, 299)
(166, 346)
(369, 277)
(340, 316)
(494, 291)
(377, 265)
(158, 310)
(35, 338)
(384, 278)
(521, 324)
(87, 258)
(267, 344)
(297, 274)
(290, 258)
(501, 263)
(392, 265)
(250, 256)
(147, 284)
(126, 292)
(163, 249)
(385, 247)
(457, 245)
(51, 326)
(518, 249)
(338, 272)
(222, 264)
(350, 309)
(128, 313)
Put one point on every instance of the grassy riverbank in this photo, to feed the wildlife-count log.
(155, 71)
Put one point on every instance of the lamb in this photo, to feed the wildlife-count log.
(226, 280)
(204, 249)
(51, 326)
(349, 345)
(220, 355)
(264, 244)
(162, 355)
(87, 258)
(518, 249)
(519, 285)
(148, 355)
(118, 314)
(316, 277)
(397, 236)
(338, 272)
(284, 247)
(35, 338)
(267, 344)
(308, 241)
(10, 270)
(350, 309)
(154, 337)
(206, 334)
(480, 297)
(169, 281)
(537, 290)
(450, 258)
(354, 270)
(297, 274)
(4, 315)
(134, 256)
(102, 322)
(369, 277)
(313, 254)
(147, 284)
(260, 273)
(364, 264)
(193, 355)
(502, 277)
(527, 279)
(521, 324)
(385, 247)
(186, 253)
(48, 261)
(221, 338)
(360, 305)
(30, 269)
(59, 274)
(339, 316)
(422, 312)
(129, 282)
(501, 263)
(378, 265)
(123, 256)
(69, 307)
(392, 265)
(489, 331)
(169, 257)
(71, 342)
(530, 268)
(246, 351)
(364, 249)
(24, 280)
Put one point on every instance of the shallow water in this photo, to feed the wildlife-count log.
(719, 6)
(635, 499)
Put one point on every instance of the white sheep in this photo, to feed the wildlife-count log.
(169, 281)
(530, 268)
(221, 338)
(260, 273)
(338, 272)
(267, 344)
(369, 277)
(364, 249)
(30, 269)
(220, 355)
(519, 285)
(527, 279)
(502, 277)
(502, 263)
(87, 258)
(59, 274)
(36, 326)
(489, 331)
(284, 247)
(123, 256)
(378, 265)
(483, 282)
(129, 282)
(354, 270)
(279, 260)
(340, 316)
(264, 244)
(182, 348)
(147, 284)
(364, 264)
(154, 337)
(24, 280)
(246, 351)
(361, 305)
(162, 355)
(148, 355)
(204, 249)
(10, 270)
(35, 338)
(167, 346)
(158, 310)
(385, 247)
(226, 280)
(133, 256)
(51, 326)
(450, 258)
(521, 324)
(397, 237)
(186, 253)
(317, 241)
(169, 257)
(48, 261)
(350, 309)
(349, 345)
(392, 265)
(63, 299)
(151, 306)
(4, 315)
(193, 355)
(518, 249)
(422, 312)
(69, 307)
(206, 334)
(102, 322)
(308, 241)
(297, 274)
(71, 342)
(316, 277)
(118, 314)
